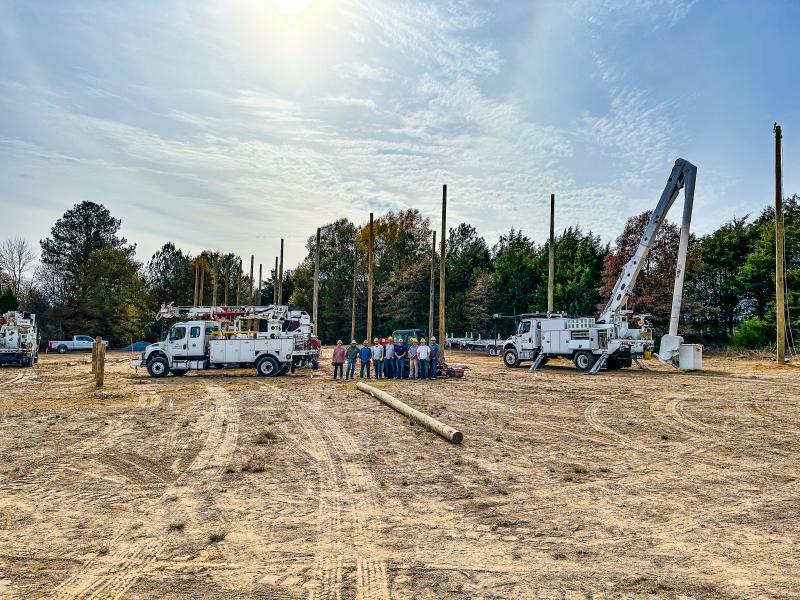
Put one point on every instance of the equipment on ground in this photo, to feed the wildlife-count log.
(447, 432)
(618, 337)
(473, 343)
(274, 339)
(77, 343)
(19, 339)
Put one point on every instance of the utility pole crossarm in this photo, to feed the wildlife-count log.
(683, 174)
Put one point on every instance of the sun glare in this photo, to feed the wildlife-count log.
(292, 7)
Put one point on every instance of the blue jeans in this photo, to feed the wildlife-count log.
(338, 368)
(378, 368)
(364, 363)
(351, 369)
(432, 374)
(399, 368)
(424, 365)
(388, 367)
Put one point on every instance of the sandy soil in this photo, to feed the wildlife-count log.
(226, 485)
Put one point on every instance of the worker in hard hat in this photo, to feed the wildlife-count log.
(388, 362)
(434, 358)
(365, 356)
(413, 360)
(377, 357)
(352, 356)
(337, 360)
(400, 354)
(424, 356)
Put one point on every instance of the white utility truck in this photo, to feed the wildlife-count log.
(19, 339)
(617, 337)
(273, 339)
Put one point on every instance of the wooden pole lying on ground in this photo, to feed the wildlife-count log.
(780, 285)
(369, 279)
(280, 277)
(447, 432)
(315, 304)
(433, 284)
(99, 351)
(258, 289)
(353, 305)
(551, 269)
(442, 324)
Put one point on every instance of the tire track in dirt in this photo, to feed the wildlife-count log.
(112, 576)
(347, 510)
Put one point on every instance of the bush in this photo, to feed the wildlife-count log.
(753, 333)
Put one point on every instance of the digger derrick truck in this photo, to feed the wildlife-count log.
(617, 337)
(19, 339)
(273, 339)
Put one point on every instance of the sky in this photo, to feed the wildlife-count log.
(227, 125)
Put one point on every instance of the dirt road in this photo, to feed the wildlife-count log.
(226, 485)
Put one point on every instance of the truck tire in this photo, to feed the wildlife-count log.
(267, 367)
(584, 360)
(178, 372)
(511, 358)
(158, 367)
(492, 351)
(62, 349)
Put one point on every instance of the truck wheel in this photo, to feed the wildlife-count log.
(511, 359)
(584, 360)
(62, 349)
(492, 351)
(178, 372)
(267, 367)
(158, 367)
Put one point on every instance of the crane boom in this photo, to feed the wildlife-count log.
(683, 175)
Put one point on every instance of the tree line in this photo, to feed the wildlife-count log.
(88, 280)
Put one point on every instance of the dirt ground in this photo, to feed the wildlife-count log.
(225, 485)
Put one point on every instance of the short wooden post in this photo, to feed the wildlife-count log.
(94, 357)
(100, 361)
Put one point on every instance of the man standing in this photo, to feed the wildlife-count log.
(434, 358)
(388, 363)
(424, 355)
(365, 354)
(377, 357)
(338, 360)
(413, 360)
(352, 355)
(400, 353)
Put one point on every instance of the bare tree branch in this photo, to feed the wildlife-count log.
(16, 259)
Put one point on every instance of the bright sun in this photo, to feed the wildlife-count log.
(292, 7)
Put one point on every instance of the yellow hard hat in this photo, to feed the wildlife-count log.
(399, 339)
(390, 338)
(375, 340)
(422, 340)
(338, 341)
(366, 341)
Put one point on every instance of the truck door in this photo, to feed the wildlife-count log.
(176, 342)
(83, 342)
(525, 333)
(197, 345)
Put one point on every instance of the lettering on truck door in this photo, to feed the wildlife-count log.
(177, 342)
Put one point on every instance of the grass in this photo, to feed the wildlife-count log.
(176, 526)
(265, 437)
(216, 536)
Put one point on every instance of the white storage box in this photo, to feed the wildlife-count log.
(690, 357)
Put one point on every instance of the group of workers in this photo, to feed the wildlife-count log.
(388, 359)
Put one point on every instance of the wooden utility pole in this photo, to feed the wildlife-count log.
(280, 277)
(315, 303)
(250, 295)
(442, 299)
(196, 281)
(227, 281)
(258, 289)
(780, 284)
(275, 283)
(202, 285)
(99, 360)
(433, 285)
(370, 251)
(216, 276)
(239, 283)
(353, 307)
(551, 270)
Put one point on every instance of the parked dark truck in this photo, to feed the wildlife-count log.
(78, 342)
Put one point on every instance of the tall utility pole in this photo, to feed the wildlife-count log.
(280, 277)
(196, 281)
(227, 281)
(780, 284)
(315, 303)
(239, 283)
(433, 284)
(202, 285)
(353, 307)
(442, 299)
(250, 295)
(370, 251)
(275, 283)
(260, 279)
(216, 277)
(551, 271)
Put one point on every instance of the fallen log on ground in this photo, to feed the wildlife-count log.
(443, 430)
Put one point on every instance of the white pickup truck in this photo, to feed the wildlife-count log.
(78, 342)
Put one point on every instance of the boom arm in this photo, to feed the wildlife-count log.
(683, 174)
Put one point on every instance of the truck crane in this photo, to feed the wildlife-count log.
(19, 339)
(617, 337)
(273, 339)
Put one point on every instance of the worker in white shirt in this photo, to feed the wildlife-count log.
(424, 355)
